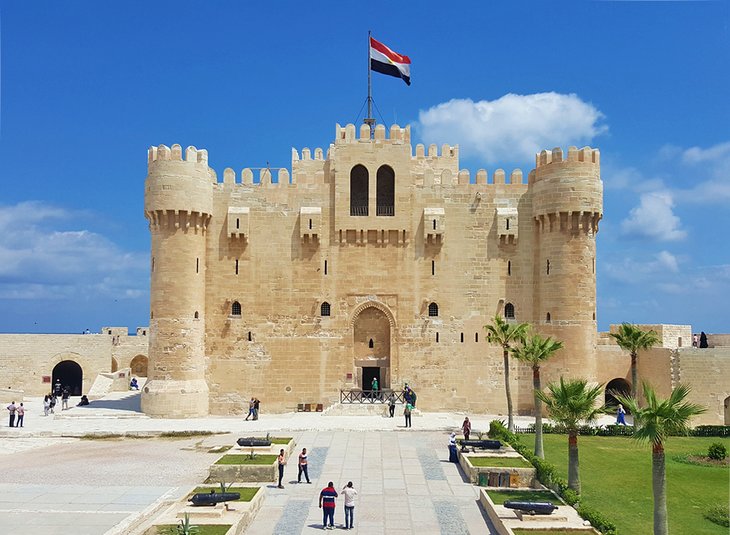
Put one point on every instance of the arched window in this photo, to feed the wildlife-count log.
(548, 319)
(359, 191)
(324, 310)
(196, 315)
(509, 311)
(385, 193)
(433, 310)
(236, 309)
(371, 344)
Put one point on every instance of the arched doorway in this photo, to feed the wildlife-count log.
(70, 375)
(139, 366)
(372, 347)
(115, 365)
(618, 385)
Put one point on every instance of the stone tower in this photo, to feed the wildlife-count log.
(178, 206)
(567, 206)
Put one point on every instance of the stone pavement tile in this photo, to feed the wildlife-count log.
(428, 528)
(439, 488)
(418, 490)
(60, 497)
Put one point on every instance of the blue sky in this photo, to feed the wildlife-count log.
(87, 86)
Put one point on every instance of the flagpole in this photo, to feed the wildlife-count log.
(369, 119)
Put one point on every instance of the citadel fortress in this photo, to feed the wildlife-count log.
(366, 260)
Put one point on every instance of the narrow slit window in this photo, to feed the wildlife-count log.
(197, 265)
(507, 221)
(476, 337)
(462, 338)
(238, 223)
(325, 267)
(547, 267)
(236, 267)
(433, 267)
(153, 263)
(310, 224)
(434, 224)
(250, 338)
(437, 338)
(196, 315)
(509, 267)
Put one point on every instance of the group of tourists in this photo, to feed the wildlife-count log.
(327, 496)
(16, 410)
(253, 408)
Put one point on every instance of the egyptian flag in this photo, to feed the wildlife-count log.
(385, 61)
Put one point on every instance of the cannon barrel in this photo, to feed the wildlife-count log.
(213, 498)
(481, 444)
(253, 441)
(533, 508)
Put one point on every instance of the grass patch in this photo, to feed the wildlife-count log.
(247, 493)
(281, 440)
(549, 531)
(616, 480)
(499, 462)
(233, 458)
(187, 434)
(501, 496)
(203, 529)
(219, 449)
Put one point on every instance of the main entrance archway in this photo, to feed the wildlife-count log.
(372, 339)
(71, 376)
(619, 386)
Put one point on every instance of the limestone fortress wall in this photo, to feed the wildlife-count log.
(368, 259)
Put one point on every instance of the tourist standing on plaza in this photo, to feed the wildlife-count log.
(703, 340)
(391, 404)
(349, 493)
(256, 404)
(327, 504)
(21, 415)
(11, 409)
(64, 399)
(409, 395)
(407, 414)
(57, 388)
(281, 461)
(52, 403)
(374, 386)
(303, 469)
(466, 428)
(46, 405)
(620, 415)
(453, 454)
(250, 408)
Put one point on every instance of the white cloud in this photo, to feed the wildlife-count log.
(41, 260)
(649, 269)
(654, 218)
(513, 126)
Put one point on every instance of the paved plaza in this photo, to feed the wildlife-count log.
(54, 482)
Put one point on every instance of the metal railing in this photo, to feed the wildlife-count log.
(369, 396)
(385, 210)
(359, 210)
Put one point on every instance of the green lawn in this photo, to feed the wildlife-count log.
(280, 440)
(616, 480)
(501, 496)
(548, 532)
(233, 458)
(247, 493)
(500, 462)
(203, 529)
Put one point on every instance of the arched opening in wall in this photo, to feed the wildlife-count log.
(548, 318)
(371, 347)
(70, 375)
(196, 315)
(359, 179)
(509, 311)
(115, 365)
(236, 309)
(727, 410)
(618, 385)
(433, 310)
(324, 310)
(139, 366)
(385, 191)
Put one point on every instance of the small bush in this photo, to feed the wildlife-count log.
(570, 496)
(718, 514)
(711, 431)
(717, 451)
(597, 520)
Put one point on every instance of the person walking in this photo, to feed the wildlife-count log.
(256, 404)
(407, 414)
(11, 409)
(303, 468)
(349, 493)
(391, 404)
(250, 409)
(281, 461)
(327, 504)
(64, 399)
(453, 454)
(374, 386)
(620, 415)
(21, 415)
(466, 428)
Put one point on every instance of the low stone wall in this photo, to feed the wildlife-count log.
(264, 473)
(519, 477)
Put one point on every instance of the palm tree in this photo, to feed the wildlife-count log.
(534, 351)
(570, 403)
(504, 334)
(632, 339)
(654, 423)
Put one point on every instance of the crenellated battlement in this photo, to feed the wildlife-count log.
(586, 155)
(347, 134)
(174, 153)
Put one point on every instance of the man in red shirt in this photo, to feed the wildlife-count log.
(327, 504)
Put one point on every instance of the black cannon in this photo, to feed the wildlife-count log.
(481, 444)
(532, 508)
(253, 441)
(214, 498)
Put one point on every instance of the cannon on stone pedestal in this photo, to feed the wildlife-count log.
(532, 508)
(480, 444)
(253, 441)
(214, 498)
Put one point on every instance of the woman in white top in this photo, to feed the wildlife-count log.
(349, 493)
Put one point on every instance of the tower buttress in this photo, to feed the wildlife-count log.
(178, 206)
